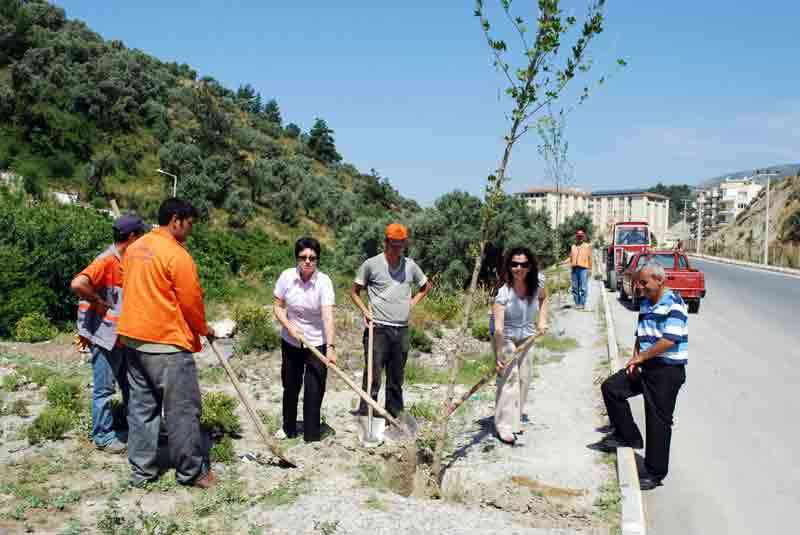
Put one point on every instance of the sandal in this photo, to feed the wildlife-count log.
(505, 440)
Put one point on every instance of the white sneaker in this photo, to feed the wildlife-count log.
(280, 434)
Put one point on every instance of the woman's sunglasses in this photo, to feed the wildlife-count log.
(519, 264)
(307, 258)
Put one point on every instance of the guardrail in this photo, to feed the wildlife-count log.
(753, 265)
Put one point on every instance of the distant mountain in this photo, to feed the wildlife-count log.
(760, 174)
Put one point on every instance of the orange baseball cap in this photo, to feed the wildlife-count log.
(396, 231)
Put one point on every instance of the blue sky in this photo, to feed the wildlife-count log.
(711, 87)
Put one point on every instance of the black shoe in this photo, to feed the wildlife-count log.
(606, 429)
(649, 482)
(610, 443)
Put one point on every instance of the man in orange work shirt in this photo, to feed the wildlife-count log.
(580, 258)
(163, 317)
(99, 287)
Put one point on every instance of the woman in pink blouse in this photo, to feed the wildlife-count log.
(304, 301)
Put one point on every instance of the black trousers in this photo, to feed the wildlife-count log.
(659, 385)
(390, 351)
(299, 365)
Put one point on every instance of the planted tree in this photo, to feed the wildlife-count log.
(537, 82)
(553, 148)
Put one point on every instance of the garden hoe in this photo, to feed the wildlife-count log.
(276, 451)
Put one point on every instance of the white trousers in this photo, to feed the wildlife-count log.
(513, 385)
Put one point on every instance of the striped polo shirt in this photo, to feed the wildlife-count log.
(666, 319)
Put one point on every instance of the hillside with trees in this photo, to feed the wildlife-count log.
(91, 117)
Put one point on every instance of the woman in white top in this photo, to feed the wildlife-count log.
(515, 307)
(304, 301)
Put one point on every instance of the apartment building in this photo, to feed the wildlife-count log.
(608, 207)
(572, 201)
(721, 204)
(604, 207)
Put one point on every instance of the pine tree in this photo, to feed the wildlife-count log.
(321, 143)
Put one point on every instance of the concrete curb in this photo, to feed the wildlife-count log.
(742, 263)
(632, 520)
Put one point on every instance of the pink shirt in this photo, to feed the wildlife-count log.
(304, 302)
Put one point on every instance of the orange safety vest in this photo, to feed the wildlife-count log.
(163, 298)
(105, 275)
(581, 256)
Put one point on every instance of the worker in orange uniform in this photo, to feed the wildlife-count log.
(163, 317)
(99, 287)
(580, 259)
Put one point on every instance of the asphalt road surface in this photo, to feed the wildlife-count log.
(735, 458)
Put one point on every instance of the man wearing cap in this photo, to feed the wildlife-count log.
(99, 287)
(580, 258)
(163, 317)
(388, 278)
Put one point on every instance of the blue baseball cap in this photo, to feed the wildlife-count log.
(130, 223)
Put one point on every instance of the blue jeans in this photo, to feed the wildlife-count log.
(580, 283)
(108, 368)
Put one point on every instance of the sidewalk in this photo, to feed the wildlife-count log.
(552, 476)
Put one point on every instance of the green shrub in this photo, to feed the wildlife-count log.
(223, 451)
(51, 424)
(11, 382)
(65, 394)
(419, 340)
(557, 344)
(263, 337)
(248, 317)
(416, 372)
(37, 374)
(218, 414)
(426, 410)
(471, 371)
(34, 327)
(480, 331)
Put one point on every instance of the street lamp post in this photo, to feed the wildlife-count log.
(174, 181)
(766, 225)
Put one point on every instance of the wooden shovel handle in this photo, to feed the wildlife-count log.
(518, 352)
(357, 389)
(253, 415)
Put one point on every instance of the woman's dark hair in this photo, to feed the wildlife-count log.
(306, 243)
(175, 207)
(531, 279)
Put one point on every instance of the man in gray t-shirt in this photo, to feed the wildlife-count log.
(388, 278)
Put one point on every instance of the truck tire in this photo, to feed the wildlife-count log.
(694, 306)
(612, 281)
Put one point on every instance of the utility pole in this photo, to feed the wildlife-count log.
(699, 222)
(766, 226)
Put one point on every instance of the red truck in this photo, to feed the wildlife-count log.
(690, 283)
(628, 238)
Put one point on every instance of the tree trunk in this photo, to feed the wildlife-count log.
(469, 299)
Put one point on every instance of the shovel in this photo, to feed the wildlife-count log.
(405, 430)
(372, 432)
(276, 451)
(518, 352)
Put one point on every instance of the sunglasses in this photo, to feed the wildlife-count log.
(307, 258)
(519, 264)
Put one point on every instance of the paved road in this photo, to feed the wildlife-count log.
(735, 462)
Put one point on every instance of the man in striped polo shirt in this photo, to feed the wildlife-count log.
(656, 370)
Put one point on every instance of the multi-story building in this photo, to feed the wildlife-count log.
(571, 201)
(721, 204)
(608, 207)
(604, 207)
